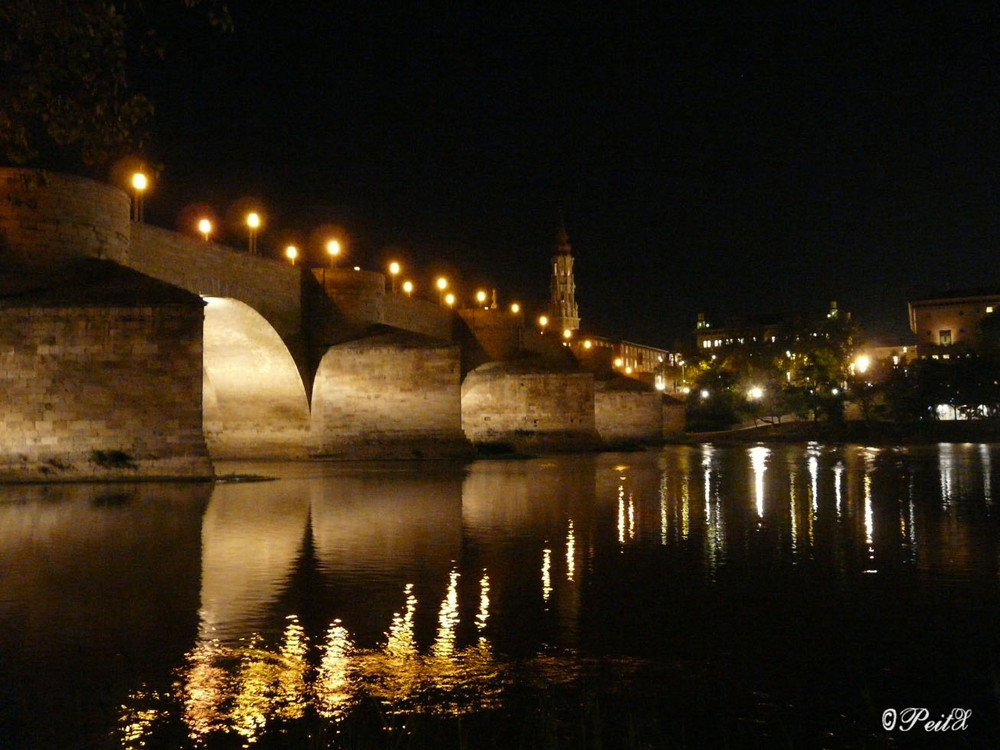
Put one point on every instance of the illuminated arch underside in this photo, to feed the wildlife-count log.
(255, 404)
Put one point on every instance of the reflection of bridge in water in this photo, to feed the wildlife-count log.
(426, 582)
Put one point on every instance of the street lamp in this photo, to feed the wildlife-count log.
(515, 308)
(449, 299)
(408, 287)
(253, 222)
(481, 297)
(394, 274)
(139, 184)
(333, 250)
(292, 252)
(205, 227)
(542, 322)
(442, 284)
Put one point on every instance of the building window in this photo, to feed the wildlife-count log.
(944, 337)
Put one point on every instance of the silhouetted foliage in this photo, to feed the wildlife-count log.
(65, 99)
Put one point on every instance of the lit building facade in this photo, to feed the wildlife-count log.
(948, 323)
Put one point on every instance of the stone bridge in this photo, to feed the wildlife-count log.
(295, 362)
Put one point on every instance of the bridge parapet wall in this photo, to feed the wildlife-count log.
(47, 217)
(360, 297)
(271, 287)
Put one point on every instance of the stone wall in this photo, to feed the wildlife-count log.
(529, 407)
(390, 396)
(101, 393)
(629, 416)
(46, 217)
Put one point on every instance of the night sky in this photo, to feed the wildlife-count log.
(718, 159)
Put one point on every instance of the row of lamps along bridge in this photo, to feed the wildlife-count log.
(140, 183)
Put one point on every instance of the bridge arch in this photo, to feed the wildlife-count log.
(255, 403)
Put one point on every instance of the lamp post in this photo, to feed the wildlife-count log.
(408, 288)
(442, 284)
(542, 322)
(394, 275)
(515, 308)
(333, 250)
(139, 185)
(481, 298)
(291, 252)
(449, 299)
(253, 222)
(205, 227)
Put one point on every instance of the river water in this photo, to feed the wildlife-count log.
(695, 596)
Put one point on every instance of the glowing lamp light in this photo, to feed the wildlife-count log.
(449, 299)
(756, 393)
(408, 287)
(291, 252)
(442, 283)
(253, 223)
(394, 273)
(619, 361)
(333, 250)
(542, 322)
(205, 227)
(567, 334)
(139, 185)
(515, 308)
(862, 363)
(587, 344)
(481, 297)
(705, 394)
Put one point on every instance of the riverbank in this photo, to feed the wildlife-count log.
(868, 433)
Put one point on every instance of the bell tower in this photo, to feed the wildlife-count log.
(563, 312)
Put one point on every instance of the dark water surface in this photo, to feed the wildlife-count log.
(781, 596)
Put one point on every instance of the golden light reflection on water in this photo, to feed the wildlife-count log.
(758, 459)
(850, 508)
(546, 574)
(241, 689)
(570, 552)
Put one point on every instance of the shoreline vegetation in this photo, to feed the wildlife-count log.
(853, 432)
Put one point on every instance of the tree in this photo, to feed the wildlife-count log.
(65, 100)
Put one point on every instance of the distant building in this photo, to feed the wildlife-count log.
(563, 312)
(749, 331)
(946, 324)
(659, 368)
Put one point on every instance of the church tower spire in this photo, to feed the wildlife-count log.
(562, 307)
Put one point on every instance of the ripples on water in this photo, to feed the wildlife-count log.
(686, 597)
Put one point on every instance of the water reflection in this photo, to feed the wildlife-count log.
(438, 590)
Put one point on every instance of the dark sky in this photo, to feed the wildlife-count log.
(719, 158)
